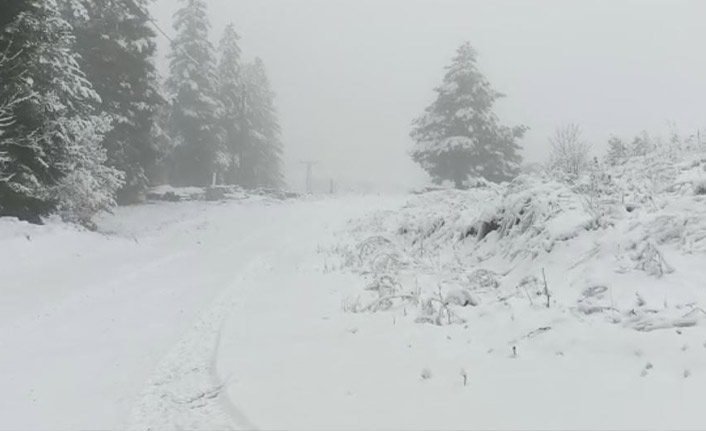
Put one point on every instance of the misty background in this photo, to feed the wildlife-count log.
(350, 75)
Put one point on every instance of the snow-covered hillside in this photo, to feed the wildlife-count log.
(540, 304)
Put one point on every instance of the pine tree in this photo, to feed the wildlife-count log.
(117, 48)
(231, 95)
(52, 159)
(641, 145)
(459, 136)
(617, 150)
(193, 121)
(7, 119)
(261, 162)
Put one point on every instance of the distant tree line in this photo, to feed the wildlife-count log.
(86, 123)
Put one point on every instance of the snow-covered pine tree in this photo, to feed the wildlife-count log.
(459, 136)
(617, 150)
(641, 145)
(52, 157)
(117, 48)
(7, 117)
(231, 93)
(193, 121)
(261, 163)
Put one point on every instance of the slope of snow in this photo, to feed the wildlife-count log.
(373, 334)
(615, 338)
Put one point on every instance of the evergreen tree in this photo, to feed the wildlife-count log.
(261, 160)
(117, 48)
(459, 136)
(193, 121)
(617, 150)
(231, 95)
(51, 159)
(641, 145)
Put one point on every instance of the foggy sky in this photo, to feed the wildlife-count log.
(351, 75)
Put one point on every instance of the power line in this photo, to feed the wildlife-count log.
(149, 18)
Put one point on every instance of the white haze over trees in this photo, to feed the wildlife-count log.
(364, 69)
(501, 228)
(86, 123)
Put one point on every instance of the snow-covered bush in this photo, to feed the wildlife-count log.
(642, 145)
(617, 232)
(617, 151)
(534, 214)
(700, 187)
(89, 185)
(570, 153)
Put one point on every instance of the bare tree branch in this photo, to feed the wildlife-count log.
(570, 153)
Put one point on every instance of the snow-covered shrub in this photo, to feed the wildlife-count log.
(483, 279)
(535, 214)
(531, 284)
(594, 299)
(618, 151)
(377, 254)
(605, 238)
(640, 178)
(89, 186)
(460, 297)
(649, 259)
(437, 311)
(570, 153)
(443, 219)
(385, 285)
(700, 187)
(642, 145)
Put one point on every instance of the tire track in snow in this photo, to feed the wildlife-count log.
(186, 392)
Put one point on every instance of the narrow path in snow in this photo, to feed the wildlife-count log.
(185, 391)
(81, 359)
(118, 331)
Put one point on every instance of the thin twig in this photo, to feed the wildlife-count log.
(546, 288)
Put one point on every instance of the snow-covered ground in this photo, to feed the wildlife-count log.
(92, 323)
(366, 312)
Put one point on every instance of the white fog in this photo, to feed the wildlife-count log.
(352, 214)
(351, 75)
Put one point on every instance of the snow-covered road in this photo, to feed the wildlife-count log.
(121, 330)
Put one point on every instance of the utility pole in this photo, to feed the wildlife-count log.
(309, 172)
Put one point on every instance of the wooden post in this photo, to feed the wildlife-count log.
(309, 175)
